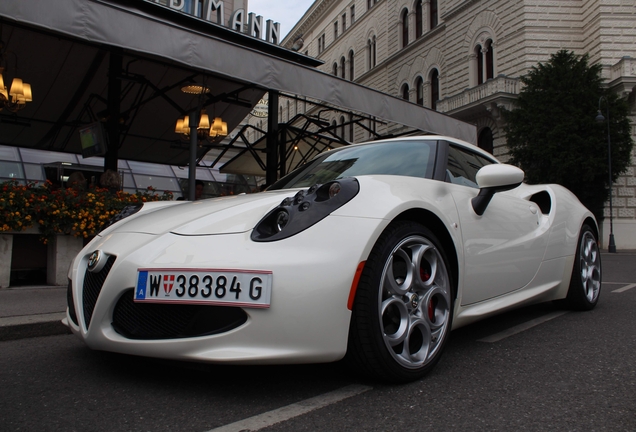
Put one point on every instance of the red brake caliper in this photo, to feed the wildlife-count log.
(425, 276)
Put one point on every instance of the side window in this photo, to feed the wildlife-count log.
(463, 165)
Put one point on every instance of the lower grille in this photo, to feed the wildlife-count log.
(93, 283)
(150, 321)
(70, 303)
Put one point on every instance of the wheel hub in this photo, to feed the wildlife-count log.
(414, 305)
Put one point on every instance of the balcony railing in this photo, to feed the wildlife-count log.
(626, 67)
(492, 87)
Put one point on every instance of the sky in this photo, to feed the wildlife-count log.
(286, 12)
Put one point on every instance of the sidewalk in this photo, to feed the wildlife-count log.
(38, 310)
(32, 311)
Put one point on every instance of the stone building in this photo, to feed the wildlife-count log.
(465, 57)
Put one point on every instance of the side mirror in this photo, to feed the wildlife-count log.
(492, 179)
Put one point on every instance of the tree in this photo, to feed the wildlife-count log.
(552, 133)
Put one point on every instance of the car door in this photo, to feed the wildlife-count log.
(504, 247)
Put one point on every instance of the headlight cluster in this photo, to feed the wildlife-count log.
(129, 210)
(306, 208)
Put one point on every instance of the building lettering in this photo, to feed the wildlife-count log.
(214, 12)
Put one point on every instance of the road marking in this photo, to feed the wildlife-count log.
(270, 418)
(625, 288)
(522, 327)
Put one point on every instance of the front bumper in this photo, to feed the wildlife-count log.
(308, 320)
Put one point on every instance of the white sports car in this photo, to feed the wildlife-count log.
(372, 251)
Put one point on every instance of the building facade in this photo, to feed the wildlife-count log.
(465, 57)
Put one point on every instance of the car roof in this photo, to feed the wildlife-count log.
(452, 140)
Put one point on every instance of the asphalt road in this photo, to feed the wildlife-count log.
(569, 372)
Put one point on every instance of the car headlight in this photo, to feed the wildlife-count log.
(306, 208)
(129, 210)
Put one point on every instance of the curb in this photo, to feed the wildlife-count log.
(23, 327)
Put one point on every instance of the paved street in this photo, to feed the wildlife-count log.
(532, 369)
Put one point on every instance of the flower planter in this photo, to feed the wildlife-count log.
(61, 250)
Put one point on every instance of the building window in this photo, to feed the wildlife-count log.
(342, 127)
(321, 43)
(353, 14)
(350, 127)
(485, 140)
(371, 51)
(404, 18)
(433, 14)
(490, 61)
(419, 91)
(351, 69)
(419, 29)
(344, 22)
(483, 63)
(405, 91)
(335, 30)
(334, 70)
(480, 64)
(434, 88)
(369, 4)
(342, 67)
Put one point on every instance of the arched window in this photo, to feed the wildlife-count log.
(418, 19)
(484, 62)
(434, 88)
(371, 51)
(419, 91)
(351, 70)
(342, 127)
(334, 71)
(485, 140)
(342, 67)
(404, 18)
(490, 61)
(405, 91)
(433, 14)
(374, 50)
(480, 64)
(350, 127)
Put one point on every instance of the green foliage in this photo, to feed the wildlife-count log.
(554, 137)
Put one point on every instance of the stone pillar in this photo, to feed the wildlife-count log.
(62, 249)
(6, 249)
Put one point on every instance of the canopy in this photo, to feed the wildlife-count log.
(63, 48)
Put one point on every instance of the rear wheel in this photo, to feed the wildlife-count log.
(585, 285)
(402, 313)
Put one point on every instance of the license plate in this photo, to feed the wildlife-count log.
(241, 288)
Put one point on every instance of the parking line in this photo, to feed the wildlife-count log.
(521, 327)
(290, 411)
(625, 288)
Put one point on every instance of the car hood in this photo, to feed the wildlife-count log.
(223, 215)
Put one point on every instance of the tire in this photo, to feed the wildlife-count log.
(585, 284)
(401, 316)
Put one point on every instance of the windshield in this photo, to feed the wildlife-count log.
(405, 158)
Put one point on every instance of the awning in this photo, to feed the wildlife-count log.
(62, 49)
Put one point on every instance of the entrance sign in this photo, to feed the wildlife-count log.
(214, 12)
(261, 109)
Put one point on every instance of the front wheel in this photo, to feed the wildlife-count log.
(585, 285)
(402, 313)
